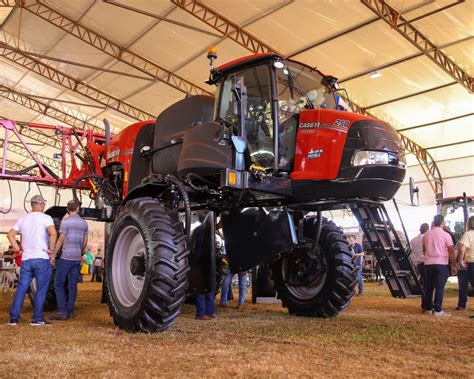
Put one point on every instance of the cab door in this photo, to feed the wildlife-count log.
(258, 120)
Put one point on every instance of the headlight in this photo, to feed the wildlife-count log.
(367, 157)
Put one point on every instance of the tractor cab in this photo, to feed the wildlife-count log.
(270, 92)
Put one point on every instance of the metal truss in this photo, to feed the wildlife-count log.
(12, 165)
(120, 53)
(223, 25)
(428, 165)
(404, 27)
(23, 59)
(45, 109)
(424, 158)
(44, 159)
(220, 23)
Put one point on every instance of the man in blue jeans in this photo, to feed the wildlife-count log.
(73, 239)
(227, 283)
(36, 229)
(359, 261)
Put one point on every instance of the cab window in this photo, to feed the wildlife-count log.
(258, 118)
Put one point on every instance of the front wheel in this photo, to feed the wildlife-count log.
(146, 266)
(316, 281)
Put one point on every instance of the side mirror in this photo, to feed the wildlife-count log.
(413, 190)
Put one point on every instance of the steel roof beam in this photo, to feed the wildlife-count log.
(353, 29)
(45, 109)
(219, 22)
(405, 28)
(224, 26)
(424, 158)
(12, 165)
(161, 18)
(22, 58)
(120, 53)
(44, 159)
(410, 95)
(91, 67)
(450, 144)
(436, 122)
(398, 61)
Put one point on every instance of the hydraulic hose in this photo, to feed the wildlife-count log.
(11, 199)
(316, 249)
(187, 203)
(319, 223)
(76, 184)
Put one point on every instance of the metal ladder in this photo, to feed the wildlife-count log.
(391, 253)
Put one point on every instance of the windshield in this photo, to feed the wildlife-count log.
(300, 87)
(454, 216)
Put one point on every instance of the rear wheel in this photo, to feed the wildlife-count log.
(147, 266)
(316, 281)
(50, 303)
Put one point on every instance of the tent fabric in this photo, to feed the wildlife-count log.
(340, 37)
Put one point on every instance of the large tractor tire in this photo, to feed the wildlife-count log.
(316, 282)
(146, 266)
(50, 302)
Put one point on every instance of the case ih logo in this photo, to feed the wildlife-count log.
(113, 154)
(306, 125)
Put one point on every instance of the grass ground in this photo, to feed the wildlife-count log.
(377, 336)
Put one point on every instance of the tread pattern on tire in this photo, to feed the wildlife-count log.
(338, 290)
(167, 267)
(50, 302)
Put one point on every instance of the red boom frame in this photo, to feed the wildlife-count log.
(94, 145)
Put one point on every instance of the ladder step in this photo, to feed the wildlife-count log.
(403, 272)
(392, 254)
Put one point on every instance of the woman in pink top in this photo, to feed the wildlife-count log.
(437, 248)
(466, 261)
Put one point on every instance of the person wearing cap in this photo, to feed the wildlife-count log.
(73, 240)
(38, 239)
(417, 256)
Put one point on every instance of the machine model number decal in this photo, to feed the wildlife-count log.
(339, 125)
(313, 154)
(340, 122)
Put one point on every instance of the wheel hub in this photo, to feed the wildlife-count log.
(128, 266)
(305, 270)
(137, 266)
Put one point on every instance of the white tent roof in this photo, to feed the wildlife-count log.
(343, 38)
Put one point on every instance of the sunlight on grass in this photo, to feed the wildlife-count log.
(386, 336)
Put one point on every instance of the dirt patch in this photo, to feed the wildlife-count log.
(377, 336)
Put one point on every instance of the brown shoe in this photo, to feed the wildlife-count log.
(223, 305)
(213, 316)
(240, 306)
(204, 318)
(459, 309)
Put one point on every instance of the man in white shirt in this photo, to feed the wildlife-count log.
(38, 240)
(417, 256)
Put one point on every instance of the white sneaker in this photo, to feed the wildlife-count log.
(442, 314)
